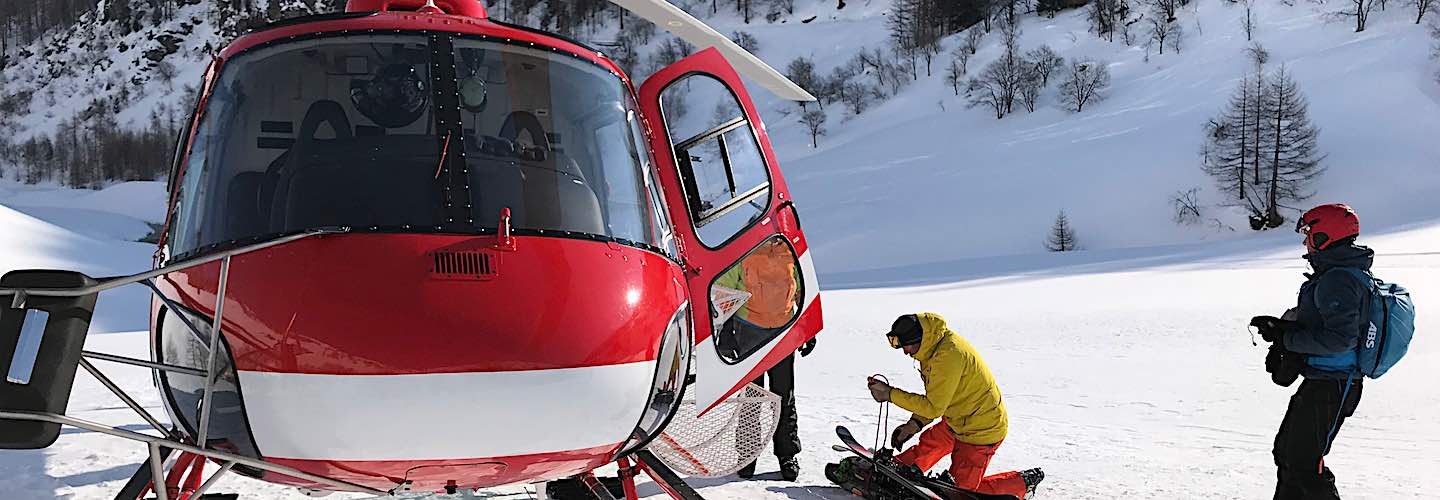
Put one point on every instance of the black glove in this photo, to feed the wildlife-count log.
(809, 346)
(904, 432)
(1271, 328)
(1283, 365)
(878, 390)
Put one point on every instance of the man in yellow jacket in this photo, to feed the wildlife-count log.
(961, 392)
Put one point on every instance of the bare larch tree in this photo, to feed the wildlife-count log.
(1294, 161)
(1084, 83)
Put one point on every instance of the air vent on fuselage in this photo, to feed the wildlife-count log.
(463, 265)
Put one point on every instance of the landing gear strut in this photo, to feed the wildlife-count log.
(589, 487)
(183, 482)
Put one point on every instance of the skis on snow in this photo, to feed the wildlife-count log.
(894, 485)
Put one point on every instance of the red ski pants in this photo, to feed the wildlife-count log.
(967, 462)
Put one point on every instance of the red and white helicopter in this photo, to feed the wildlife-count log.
(444, 253)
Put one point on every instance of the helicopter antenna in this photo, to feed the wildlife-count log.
(697, 33)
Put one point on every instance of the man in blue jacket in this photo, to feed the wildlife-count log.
(1316, 340)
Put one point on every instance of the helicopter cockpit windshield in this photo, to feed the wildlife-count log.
(352, 130)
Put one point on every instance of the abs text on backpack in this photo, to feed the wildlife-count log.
(1389, 324)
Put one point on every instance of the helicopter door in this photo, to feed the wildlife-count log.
(751, 276)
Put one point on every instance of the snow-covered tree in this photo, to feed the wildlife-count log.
(1010, 38)
(836, 82)
(972, 40)
(903, 23)
(1130, 30)
(1062, 235)
(166, 72)
(742, 7)
(801, 70)
(1258, 55)
(1247, 23)
(993, 88)
(961, 56)
(998, 85)
(955, 75)
(744, 39)
(1165, 9)
(874, 62)
(1357, 9)
(24, 21)
(1049, 8)
(1106, 16)
(814, 121)
(1294, 161)
(915, 31)
(1262, 150)
(1423, 7)
(640, 34)
(1031, 83)
(858, 95)
(1006, 9)
(1045, 61)
(1086, 82)
(1177, 37)
(1160, 30)
(1231, 147)
(1187, 206)
(669, 52)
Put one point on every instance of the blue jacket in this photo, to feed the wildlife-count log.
(1330, 307)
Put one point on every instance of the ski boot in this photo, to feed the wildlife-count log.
(1032, 479)
(886, 456)
(789, 469)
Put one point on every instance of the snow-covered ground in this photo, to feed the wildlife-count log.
(922, 179)
(1128, 374)
(1127, 368)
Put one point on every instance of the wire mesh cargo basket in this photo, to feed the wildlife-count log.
(730, 436)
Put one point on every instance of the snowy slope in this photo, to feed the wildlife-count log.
(93, 232)
(1115, 389)
(67, 69)
(1127, 368)
(956, 183)
(922, 179)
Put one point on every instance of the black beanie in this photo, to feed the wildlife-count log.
(907, 329)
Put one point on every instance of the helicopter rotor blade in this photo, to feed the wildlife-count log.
(697, 33)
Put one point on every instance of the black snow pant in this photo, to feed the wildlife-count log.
(782, 383)
(1316, 412)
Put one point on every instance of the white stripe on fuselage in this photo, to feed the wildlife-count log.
(444, 416)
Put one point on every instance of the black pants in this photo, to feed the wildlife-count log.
(782, 383)
(1313, 419)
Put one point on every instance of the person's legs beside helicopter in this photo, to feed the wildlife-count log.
(787, 430)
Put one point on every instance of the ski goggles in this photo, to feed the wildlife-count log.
(896, 343)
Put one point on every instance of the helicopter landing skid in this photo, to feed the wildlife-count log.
(587, 486)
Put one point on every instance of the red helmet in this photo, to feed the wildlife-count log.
(1327, 224)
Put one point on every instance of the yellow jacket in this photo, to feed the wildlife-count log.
(958, 386)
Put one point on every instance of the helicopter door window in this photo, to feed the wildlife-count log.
(756, 299)
(726, 180)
